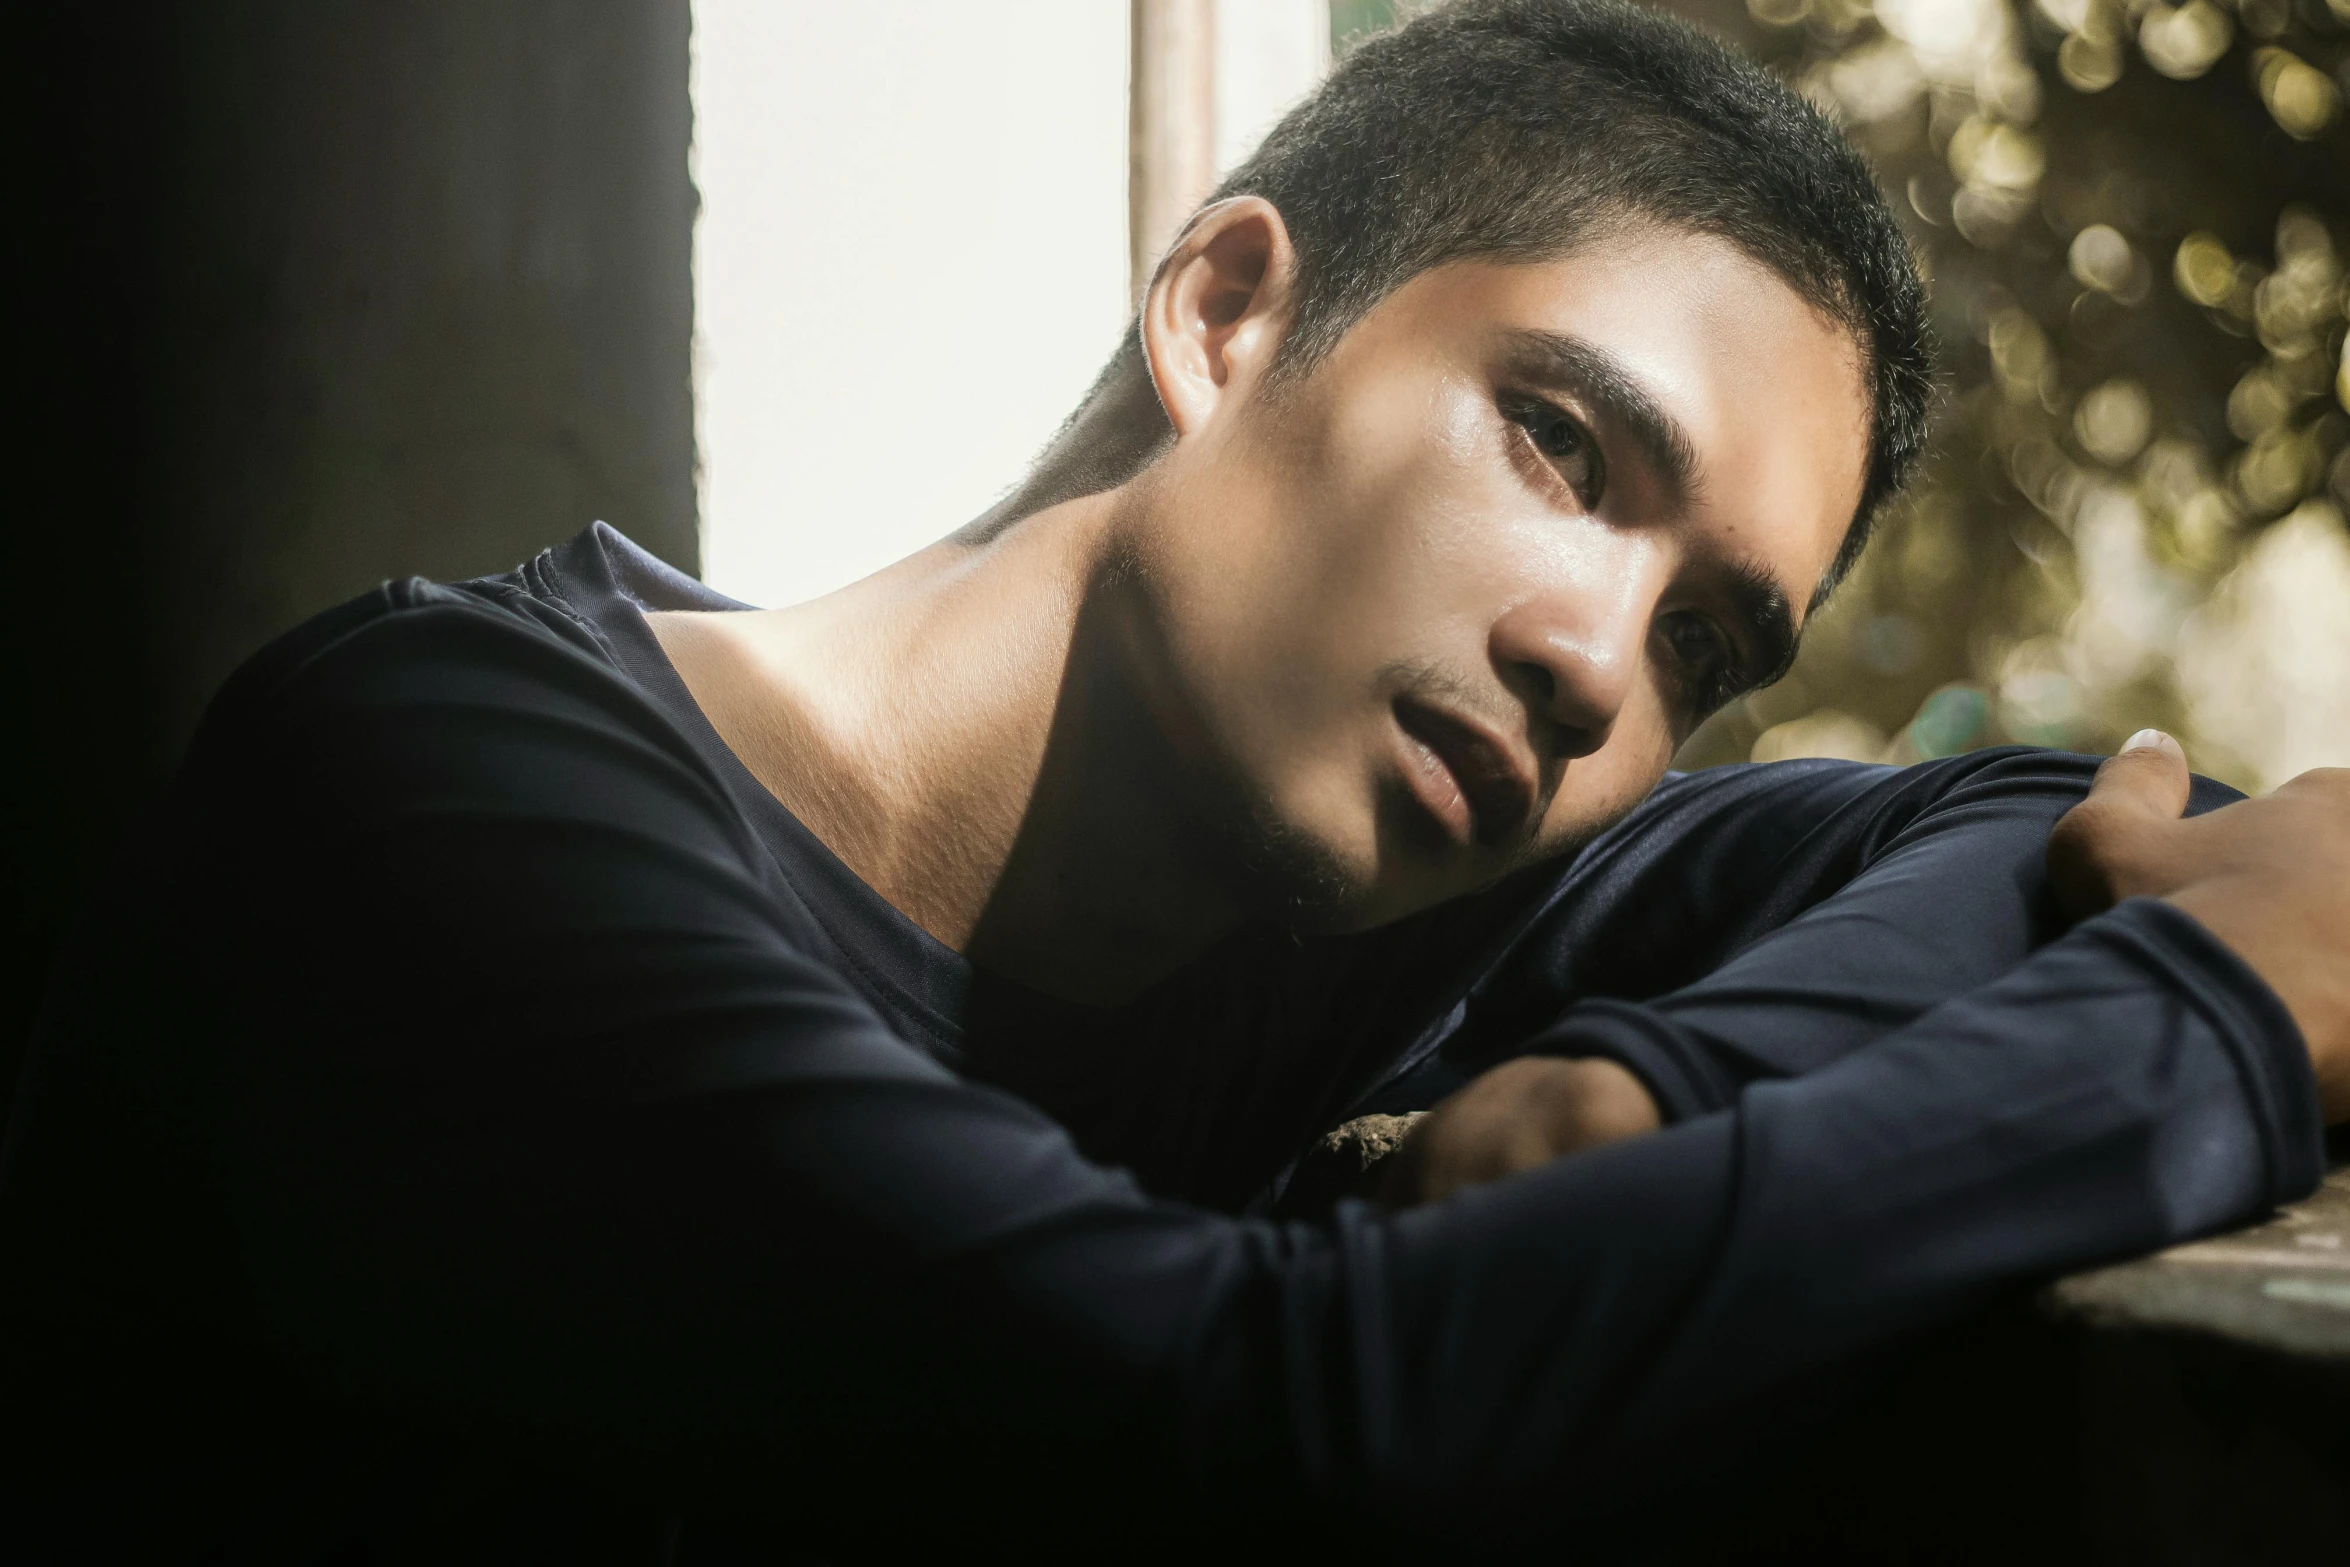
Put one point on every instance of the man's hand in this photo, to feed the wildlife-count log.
(1520, 1114)
(2270, 877)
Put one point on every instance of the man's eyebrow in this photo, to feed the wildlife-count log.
(1769, 621)
(1569, 364)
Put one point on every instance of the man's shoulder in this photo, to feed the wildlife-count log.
(465, 752)
(511, 641)
(493, 698)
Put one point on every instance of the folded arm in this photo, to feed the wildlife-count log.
(1901, 890)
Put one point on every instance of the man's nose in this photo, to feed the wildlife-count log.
(1573, 661)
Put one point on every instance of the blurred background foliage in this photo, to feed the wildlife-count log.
(2133, 215)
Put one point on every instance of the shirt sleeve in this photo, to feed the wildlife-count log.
(1760, 922)
(546, 1119)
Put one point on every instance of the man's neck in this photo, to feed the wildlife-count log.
(963, 731)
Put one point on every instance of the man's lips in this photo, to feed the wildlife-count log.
(1468, 778)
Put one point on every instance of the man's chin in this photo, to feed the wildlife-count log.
(1274, 865)
(1302, 878)
(1291, 871)
(1424, 868)
(1296, 878)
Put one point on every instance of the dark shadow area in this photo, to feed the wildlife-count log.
(1970, 1452)
(315, 295)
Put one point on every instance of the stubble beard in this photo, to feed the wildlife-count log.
(1279, 872)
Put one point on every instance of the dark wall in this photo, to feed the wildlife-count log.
(320, 292)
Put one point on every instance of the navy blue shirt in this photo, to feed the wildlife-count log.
(479, 1113)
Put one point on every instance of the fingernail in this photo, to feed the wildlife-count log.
(2146, 740)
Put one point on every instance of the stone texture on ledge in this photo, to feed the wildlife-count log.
(2214, 1388)
(2282, 1286)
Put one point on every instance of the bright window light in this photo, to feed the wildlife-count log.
(910, 261)
(912, 255)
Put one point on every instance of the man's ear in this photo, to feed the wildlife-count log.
(1215, 313)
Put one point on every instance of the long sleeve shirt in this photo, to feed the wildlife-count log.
(478, 1112)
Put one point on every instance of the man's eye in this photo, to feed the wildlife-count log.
(1566, 445)
(1706, 662)
(1556, 434)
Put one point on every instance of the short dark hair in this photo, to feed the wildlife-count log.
(1517, 129)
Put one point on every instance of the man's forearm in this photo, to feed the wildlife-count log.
(2128, 1086)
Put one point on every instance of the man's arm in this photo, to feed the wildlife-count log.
(1941, 895)
(1742, 924)
(1756, 923)
(574, 1147)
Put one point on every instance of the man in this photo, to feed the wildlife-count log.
(586, 1070)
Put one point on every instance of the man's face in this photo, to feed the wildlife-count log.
(1449, 604)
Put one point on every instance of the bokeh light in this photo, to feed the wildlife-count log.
(2133, 215)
